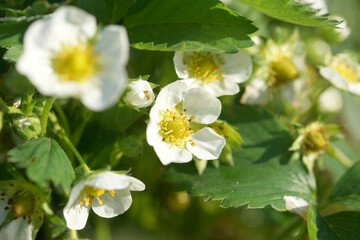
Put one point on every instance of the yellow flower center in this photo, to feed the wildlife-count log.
(204, 66)
(346, 71)
(23, 203)
(175, 127)
(147, 95)
(89, 192)
(282, 70)
(75, 62)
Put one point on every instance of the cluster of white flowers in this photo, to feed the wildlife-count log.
(66, 56)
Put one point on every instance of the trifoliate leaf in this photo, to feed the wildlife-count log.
(44, 160)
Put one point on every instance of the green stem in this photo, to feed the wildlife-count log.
(73, 234)
(4, 105)
(45, 115)
(342, 158)
(62, 117)
(77, 154)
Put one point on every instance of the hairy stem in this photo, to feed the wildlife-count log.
(45, 115)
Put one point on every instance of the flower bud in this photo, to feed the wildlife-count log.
(282, 70)
(141, 94)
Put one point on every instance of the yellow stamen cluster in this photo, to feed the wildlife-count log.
(282, 70)
(75, 62)
(175, 127)
(205, 66)
(89, 192)
(346, 70)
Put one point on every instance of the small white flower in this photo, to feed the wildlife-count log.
(175, 129)
(218, 73)
(141, 94)
(344, 73)
(61, 59)
(330, 101)
(107, 193)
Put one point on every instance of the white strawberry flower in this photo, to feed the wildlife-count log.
(218, 73)
(177, 124)
(344, 73)
(63, 56)
(141, 94)
(107, 193)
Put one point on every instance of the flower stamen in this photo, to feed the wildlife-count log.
(204, 66)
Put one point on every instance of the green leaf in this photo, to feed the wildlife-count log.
(312, 215)
(97, 8)
(290, 11)
(13, 54)
(44, 160)
(190, 26)
(339, 226)
(12, 31)
(347, 189)
(117, 9)
(260, 176)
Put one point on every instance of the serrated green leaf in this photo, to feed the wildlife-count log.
(190, 26)
(347, 189)
(44, 160)
(339, 226)
(291, 11)
(259, 177)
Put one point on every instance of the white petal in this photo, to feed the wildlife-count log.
(296, 205)
(180, 68)
(18, 229)
(237, 67)
(74, 194)
(106, 91)
(136, 97)
(152, 130)
(136, 184)
(202, 105)
(109, 181)
(171, 154)
(222, 87)
(354, 88)
(208, 144)
(334, 77)
(330, 100)
(255, 93)
(3, 212)
(76, 216)
(171, 95)
(113, 46)
(113, 206)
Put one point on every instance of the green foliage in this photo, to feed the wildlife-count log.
(259, 177)
(312, 215)
(347, 189)
(97, 8)
(339, 226)
(12, 31)
(187, 25)
(44, 160)
(290, 11)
